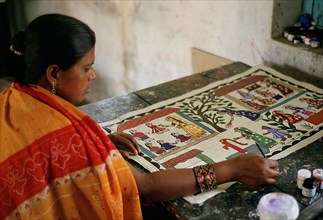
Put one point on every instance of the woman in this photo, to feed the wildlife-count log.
(258, 138)
(57, 163)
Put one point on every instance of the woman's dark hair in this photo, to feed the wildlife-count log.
(49, 39)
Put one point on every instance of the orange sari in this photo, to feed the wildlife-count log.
(56, 162)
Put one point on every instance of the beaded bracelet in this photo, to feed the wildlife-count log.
(205, 177)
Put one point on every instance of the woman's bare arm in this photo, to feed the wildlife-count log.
(251, 169)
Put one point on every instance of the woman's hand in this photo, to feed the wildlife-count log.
(254, 170)
(125, 142)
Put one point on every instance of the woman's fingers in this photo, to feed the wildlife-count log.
(124, 153)
(256, 170)
(273, 168)
(132, 140)
(126, 141)
(272, 163)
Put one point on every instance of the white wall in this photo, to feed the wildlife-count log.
(144, 43)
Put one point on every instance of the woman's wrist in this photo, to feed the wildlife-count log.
(226, 171)
(205, 177)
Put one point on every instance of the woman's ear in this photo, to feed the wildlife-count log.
(51, 73)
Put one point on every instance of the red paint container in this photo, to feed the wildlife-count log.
(318, 177)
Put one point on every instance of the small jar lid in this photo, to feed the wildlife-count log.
(318, 174)
(277, 205)
(304, 173)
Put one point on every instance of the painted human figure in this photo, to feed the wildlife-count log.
(155, 149)
(261, 140)
(227, 144)
(277, 133)
(303, 112)
(253, 116)
(139, 135)
(182, 137)
(265, 94)
(166, 145)
(265, 101)
(268, 94)
(289, 118)
(190, 128)
(254, 104)
(245, 95)
(156, 129)
(282, 89)
(314, 103)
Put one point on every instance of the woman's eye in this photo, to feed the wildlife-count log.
(88, 69)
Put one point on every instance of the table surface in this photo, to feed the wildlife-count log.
(239, 201)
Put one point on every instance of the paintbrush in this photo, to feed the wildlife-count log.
(260, 150)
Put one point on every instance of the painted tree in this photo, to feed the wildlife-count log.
(280, 124)
(203, 108)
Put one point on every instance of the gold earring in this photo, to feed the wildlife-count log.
(53, 88)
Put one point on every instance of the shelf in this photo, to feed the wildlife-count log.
(301, 46)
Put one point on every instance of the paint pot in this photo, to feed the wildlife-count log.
(308, 38)
(297, 40)
(303, 36)
(277, 205)
(302, 174)
(315, 42)
(318, 177)
(291, 35)
(286, 32)
(309, 188)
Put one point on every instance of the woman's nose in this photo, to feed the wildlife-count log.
(93, 75)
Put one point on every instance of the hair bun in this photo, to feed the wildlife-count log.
(14, 59)
(17, 46)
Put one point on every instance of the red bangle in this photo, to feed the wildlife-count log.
(205, 177)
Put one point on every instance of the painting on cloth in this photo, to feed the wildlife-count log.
(225, 119)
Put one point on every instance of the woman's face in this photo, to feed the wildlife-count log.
(74, 83)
